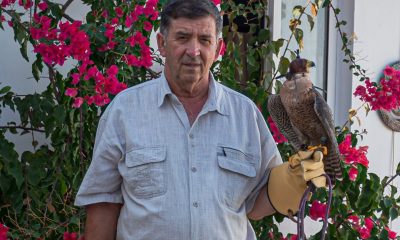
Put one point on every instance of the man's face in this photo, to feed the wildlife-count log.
(190, 47)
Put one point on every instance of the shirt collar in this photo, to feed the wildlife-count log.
(216, 95)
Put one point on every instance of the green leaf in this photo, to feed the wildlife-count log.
(23, 50)
(310, 21)
(5, 89)
(326, 3)
(55, 10)
(35, 71)
(393, 213)
(15, 170)
(277, 45)
(263, 35)
(283, 65)
(297, 11)
(298, 34)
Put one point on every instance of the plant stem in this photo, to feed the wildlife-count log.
(348, 120)
(345, 47)
(23, 128)
(391, 179)
(286, 48)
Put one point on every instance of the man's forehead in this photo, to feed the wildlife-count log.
(205, 25)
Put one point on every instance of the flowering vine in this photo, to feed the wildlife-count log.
(384, 94)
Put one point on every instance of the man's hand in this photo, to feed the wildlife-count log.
(288, 181)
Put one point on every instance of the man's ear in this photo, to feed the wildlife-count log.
(220, 43)
(161, 43)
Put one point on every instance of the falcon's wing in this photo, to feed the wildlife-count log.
(324, 113)
(282, 121)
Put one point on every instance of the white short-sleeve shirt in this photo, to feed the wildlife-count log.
(178, 181)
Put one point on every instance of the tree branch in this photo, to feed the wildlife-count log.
(391, 179)
(23, 128)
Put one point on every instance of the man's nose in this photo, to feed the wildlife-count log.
(193, 49)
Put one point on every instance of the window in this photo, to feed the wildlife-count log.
(315, 41)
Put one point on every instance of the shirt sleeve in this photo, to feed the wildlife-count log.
(270, 157)
(102, 182)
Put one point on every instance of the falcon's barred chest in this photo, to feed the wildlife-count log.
(302, 115)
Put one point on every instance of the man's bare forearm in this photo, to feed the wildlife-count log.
(262, 207)
(101, 221)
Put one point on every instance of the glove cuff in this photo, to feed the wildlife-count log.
(286, 187)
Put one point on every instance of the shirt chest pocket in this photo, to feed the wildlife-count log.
(146, 172)
(237, 172)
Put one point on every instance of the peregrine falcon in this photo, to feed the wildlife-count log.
(304, 117)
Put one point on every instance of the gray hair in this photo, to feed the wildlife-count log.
(192, 9)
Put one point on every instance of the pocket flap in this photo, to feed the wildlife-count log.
(237, 166)
(141, 156)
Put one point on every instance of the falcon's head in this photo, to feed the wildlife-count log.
(300, 65)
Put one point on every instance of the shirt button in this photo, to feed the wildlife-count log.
(191, 135)
(194, 169)
(195, 204)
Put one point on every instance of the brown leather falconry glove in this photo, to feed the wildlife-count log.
(288, 181)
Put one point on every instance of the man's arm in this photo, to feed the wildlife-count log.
(262, 207)
(101, 221)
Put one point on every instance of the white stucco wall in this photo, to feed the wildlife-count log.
(377, 26)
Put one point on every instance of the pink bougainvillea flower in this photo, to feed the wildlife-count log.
(384, 94)
(369, 223)
(112, 70)
(75, 78)
(119, 12)
(391, 234)
(104, 14)
(354, 220)
(223, 49)
(364, 232)
(115, 21)
(276, 134)
(353, 155)
(317, 210)
(6, 3)
(70, 236)
(26, 3)
(389, 71)
(42, 6)
(147, 26)
(293, 237)
(128, 21)
(77, 102)
(3, 232)
(216, 2)
(353, 172)
(109, 33)
(71, 92)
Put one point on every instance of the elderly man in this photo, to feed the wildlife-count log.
(180, 157)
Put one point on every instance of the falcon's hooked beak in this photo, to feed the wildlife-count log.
(310, 64)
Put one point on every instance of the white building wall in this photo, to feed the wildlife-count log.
(377, 26)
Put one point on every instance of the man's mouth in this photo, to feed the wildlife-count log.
(192, 65)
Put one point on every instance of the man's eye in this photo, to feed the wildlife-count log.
(206, 41)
